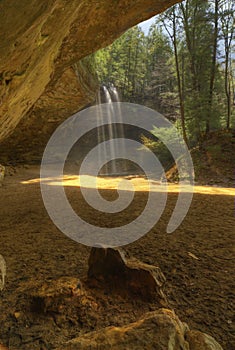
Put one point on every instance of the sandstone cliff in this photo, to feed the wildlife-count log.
(42, 77)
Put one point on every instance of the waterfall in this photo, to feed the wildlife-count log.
(113, 131)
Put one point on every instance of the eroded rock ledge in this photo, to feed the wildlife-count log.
(42, 78)
(157, 330)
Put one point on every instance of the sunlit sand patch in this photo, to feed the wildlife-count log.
(138, 183)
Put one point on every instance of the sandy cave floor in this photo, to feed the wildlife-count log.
(197, 259)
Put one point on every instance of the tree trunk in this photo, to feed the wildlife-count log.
(213, 67)
(173, 38)
(227, 88)
(180, 92)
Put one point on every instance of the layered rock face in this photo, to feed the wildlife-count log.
(42, 77)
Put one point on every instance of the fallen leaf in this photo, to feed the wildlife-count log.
(193, 256)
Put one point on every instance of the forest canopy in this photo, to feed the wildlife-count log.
(184, 67)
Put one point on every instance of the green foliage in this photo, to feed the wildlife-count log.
(123, 63)
(177, 68)
(169, 139)
(139, 66)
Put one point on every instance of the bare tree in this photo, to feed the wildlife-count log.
(227, 19)
(170, 23)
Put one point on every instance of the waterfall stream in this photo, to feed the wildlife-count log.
(113, 130)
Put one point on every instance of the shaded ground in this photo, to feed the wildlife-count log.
(214, 160)
(197, 260)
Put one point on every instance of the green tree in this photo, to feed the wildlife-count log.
(160, 81)
(199, 34)
(176, 68)
(123, 63)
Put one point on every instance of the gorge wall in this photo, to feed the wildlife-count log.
(43, 77)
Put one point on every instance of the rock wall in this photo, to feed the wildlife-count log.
(42, 77)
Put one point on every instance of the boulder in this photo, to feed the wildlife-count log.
(64, 299)
(157, 330)
(112, 267)
(52, 297)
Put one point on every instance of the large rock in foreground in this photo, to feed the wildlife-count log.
(158, 330)
(126, 275)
